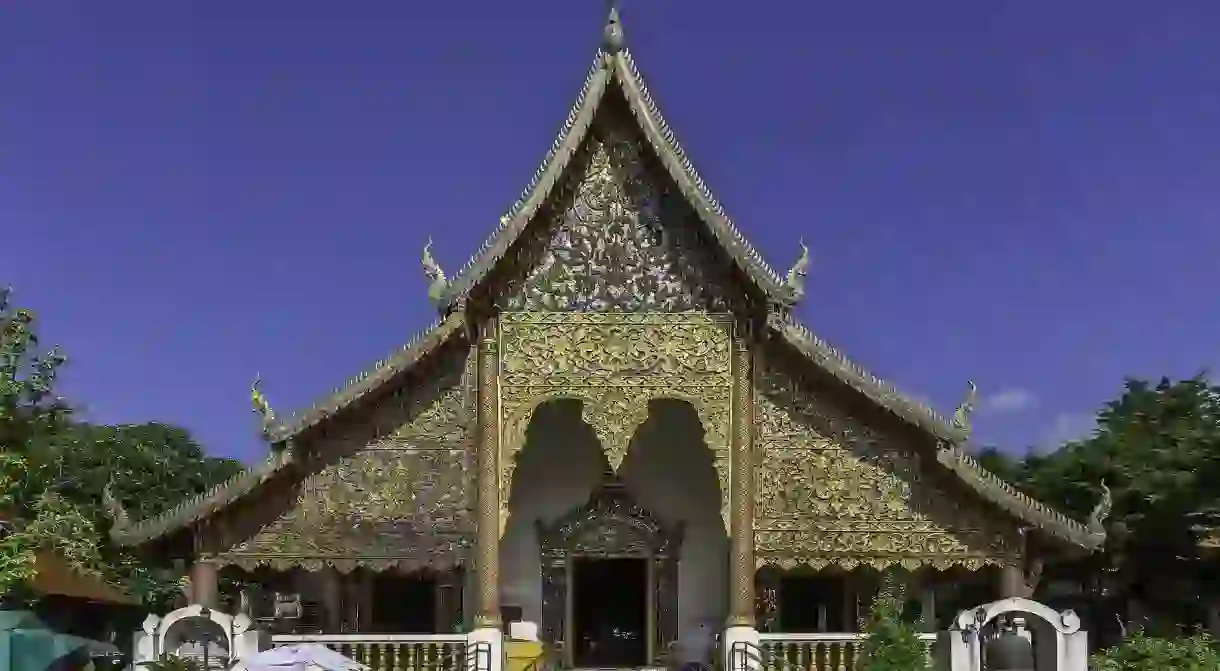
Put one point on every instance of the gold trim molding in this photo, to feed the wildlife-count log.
(615, 364)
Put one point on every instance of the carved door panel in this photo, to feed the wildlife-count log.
(665, 584)
(555, 604)
(609, 525)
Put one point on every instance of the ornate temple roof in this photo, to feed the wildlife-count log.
(615, 67)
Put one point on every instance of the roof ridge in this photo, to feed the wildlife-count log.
(553, 164)
(989, 483)
(237, 485)
(950, 438)
(675, 147)
(360, 384)
(930, 417)
(969, 460)
(565, 131)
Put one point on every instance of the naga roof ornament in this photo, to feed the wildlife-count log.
(261, 407)
(961, 416)
(1100, 513)
(438, 284)
(795, 279)
(118, 514)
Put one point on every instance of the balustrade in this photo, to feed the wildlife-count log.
(818, 652)
(392, 652)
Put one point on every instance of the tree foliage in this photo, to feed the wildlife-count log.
(891, 643)
(1157, 448)
(1142, 652)
(54, 469)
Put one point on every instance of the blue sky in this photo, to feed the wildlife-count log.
(1026, 194)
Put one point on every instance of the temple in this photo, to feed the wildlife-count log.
(616, 430)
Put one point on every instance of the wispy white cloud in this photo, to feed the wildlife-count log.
(1067, 427)
(1007, 401)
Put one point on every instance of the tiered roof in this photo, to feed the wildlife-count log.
(614, 70)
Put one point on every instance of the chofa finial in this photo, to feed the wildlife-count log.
(612, 38)
(795, 279)
(1101, 512)
(118, 514)
(961, 416)
(438, 283)
(260, 405)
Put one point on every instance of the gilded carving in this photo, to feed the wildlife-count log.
(400, 501)
(617, 243)
(833, 491)
(615, 364)
(610, 524)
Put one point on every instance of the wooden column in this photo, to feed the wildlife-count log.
(357, 601)
(205, 583)
(741, 487)
(332, 600)
(1012, 581)
(487, 485)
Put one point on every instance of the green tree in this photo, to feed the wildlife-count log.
(891, 643)
(53, 471)
(1141, 652)
(1157, 448)
(29, 412)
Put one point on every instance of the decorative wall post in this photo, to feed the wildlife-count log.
(487, 486)
(1012, 581)
(332, 600)
(205, 584)
(741, 486)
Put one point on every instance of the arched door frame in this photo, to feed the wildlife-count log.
(609, 525)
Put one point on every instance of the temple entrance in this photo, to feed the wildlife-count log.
(609, 582)
(610, 612)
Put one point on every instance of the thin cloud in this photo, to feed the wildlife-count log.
(1008, 401)
(1067, 427)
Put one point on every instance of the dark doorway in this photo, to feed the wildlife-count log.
(404, 604)
(610, 604)
(812, 604)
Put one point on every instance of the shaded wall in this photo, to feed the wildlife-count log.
(668, 470)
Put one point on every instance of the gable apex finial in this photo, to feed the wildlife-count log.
(612, 38)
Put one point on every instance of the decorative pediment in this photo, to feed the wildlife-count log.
(831, 490)
(610, 524)
(402, 500)
(617, 238)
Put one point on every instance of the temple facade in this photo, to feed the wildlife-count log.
(617, 430)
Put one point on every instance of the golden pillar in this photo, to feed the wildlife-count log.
(487, 486)
(741, 487)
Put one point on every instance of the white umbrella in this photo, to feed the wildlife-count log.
(299, 657)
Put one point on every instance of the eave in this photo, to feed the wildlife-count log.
(949, 438)
(282, 457)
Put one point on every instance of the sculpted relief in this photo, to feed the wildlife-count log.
(616, 243)
(615, 364)
(398, 501)
(831, 491)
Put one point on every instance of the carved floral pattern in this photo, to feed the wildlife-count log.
(833, 491)
(400, 501)
(620, 244)
(616, 364)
